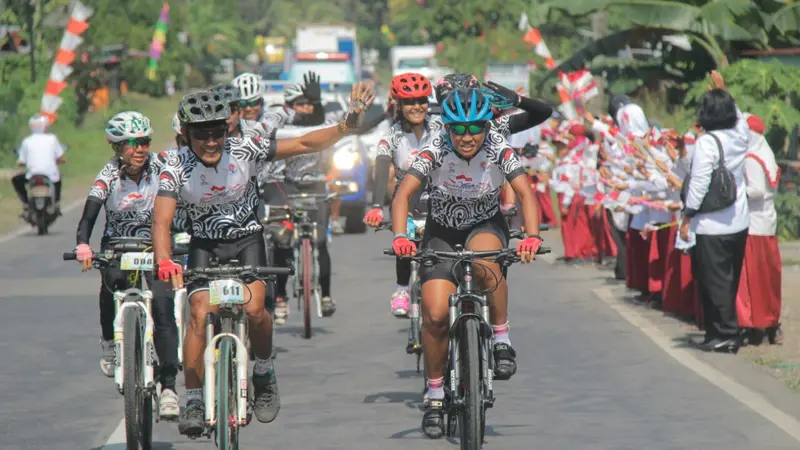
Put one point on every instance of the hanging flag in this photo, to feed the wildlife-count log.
(65, 56)
(159, 39)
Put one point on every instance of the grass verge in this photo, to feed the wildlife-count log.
(88, 150)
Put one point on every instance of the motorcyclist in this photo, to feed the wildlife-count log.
(40, 153)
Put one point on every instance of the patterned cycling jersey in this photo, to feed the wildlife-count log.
(309, 168)
(277, 117)
(401, 147)
(128, 204)
(220, 200)
(463, 192)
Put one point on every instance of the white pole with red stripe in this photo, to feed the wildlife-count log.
(533, 37)
(62, 66)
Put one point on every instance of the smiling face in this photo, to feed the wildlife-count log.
(251, 109)
(414, 109)
(467, 138)
(207, 140)
(133, 153)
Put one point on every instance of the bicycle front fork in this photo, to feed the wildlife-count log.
(149, 356)
(210, 357)
(485, 352)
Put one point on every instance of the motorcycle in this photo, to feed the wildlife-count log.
(41, 203)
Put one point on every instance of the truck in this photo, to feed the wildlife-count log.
(315, 38)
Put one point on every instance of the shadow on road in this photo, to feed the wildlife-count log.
(122, 446)
(412, 400)
(297, 330)
(408, 374)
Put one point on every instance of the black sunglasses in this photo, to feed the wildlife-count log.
(138, 142)
(207, 134)
(415, 101)
(460, 129)
(301, 102)
(250, 103)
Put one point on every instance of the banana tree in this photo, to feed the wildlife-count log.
(707, 23)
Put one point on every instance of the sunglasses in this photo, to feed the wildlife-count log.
(207, 134)
(250, 103)
(301, 103)
(415, 101)
(460, 129)
(138, 142)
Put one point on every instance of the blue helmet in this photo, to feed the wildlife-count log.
(466, 105)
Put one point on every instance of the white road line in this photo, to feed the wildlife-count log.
(27, 228)
(117, 439)
(789, 424)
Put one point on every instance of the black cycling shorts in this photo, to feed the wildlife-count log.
(445, 239)
(248, 251)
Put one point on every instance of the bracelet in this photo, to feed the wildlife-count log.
(343, 128)
(399, 235)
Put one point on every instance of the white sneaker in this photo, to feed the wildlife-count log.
(281, 311)
(108, 357)
(168, 405)
(337, 226)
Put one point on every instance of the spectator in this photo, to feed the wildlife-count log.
(758, 305)
(721, 235)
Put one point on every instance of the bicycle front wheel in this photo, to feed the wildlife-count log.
(308, 264)
(471, 417)
(138, 402)
(227, 430)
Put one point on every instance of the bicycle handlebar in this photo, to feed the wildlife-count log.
(235, 272)
(510, 212)
(116, 251)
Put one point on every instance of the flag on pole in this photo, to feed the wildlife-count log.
(159, 38)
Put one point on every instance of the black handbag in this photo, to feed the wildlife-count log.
(721, 189)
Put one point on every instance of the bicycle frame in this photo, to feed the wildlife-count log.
(144, 302)
(305, 229)
(209, 359)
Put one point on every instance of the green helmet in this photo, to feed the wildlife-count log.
(203, 107)
(128, 125)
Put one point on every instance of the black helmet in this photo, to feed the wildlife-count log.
(203, 107)
(616, 103)
(229, 93)
(453, 81)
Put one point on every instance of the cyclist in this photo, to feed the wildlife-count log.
(176, 126)
(40, 153)
(213, 175)
(296, 110)
(466, 169)
(126, 188)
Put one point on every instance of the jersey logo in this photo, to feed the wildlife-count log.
(231, 168)
(217, 188)
(464, 177)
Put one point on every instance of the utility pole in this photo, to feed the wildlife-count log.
(32, 7)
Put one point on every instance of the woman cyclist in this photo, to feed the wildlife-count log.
(466, 168)
(126, 188)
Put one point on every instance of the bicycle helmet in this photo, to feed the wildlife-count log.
(410, 85)
(38, 123)
(128, 125)
(453, 81)
(466, 105)
(249, 85)
(203, 107)
(228, 92)
(616, 103)
(292, 93)
(176, 124)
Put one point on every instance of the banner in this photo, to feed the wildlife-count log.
(159, 38)
(65, 56)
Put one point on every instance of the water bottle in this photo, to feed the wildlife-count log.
(411, 229)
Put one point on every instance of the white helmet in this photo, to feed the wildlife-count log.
(292, 93)
(249, 85)
(128, 125)
(176, 124)
(38, 123)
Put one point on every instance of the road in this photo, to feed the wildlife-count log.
(587, 378)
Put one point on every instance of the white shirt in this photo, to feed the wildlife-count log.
(530, 136)
(736, 217)
(758, 166)
(40, 153)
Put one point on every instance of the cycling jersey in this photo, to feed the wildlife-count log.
(128, 204)
(401, 147)
(221, 200)
(464, 192)
(310, 168)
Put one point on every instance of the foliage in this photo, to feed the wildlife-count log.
(787, 206)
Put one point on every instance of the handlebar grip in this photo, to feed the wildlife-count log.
(265, 271)
(71, 256)
(543, 250)
(389, 251)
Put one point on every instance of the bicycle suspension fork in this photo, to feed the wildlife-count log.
(150, 358)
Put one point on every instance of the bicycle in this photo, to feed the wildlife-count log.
(509, 215)
(468, 389)
(305, 284)
(226, 391)
(136, 359)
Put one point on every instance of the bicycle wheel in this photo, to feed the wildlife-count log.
(308, 263)
(470, 424)
(138, 403)
(227, 431)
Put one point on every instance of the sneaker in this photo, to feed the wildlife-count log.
(400, 304)
(328, 306)
(281, 311)
(193, 419)
(267, 398)
(168, 405)
(505, 365)
(433, 418)
(337, 226)
(108, 358)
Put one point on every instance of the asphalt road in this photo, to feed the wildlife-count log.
(587, 378)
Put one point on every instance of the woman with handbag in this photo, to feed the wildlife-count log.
(716, 210)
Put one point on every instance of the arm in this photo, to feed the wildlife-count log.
(382, 166)
(756, 180)
(163, 212)
(313, 142)
(510, 198)
(702, 166)
(407, 188)
(530, 209)
(91, 209)
(535, 112)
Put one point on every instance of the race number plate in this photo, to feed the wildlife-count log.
(136, 261)
(226, 292)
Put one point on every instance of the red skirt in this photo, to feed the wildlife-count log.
(602, 241)
(546, 213)
(680, 291)
(574, 229)
(758, 303)
(584, 244)
(638, 249)
(657, 259)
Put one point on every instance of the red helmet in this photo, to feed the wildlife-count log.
(410, 85)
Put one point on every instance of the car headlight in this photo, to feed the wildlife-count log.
(345, 159)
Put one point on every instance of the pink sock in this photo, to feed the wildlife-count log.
(501, 334)
(436, 388)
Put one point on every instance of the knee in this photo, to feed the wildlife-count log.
(256, 314)
(436, 320)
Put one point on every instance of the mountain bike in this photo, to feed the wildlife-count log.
(136, 359)
(305, 284)
(470, 364)
(226, 388)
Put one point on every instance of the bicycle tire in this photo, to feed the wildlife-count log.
(227, 431)
(471, 423)
(138, 420)
(308, 262)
